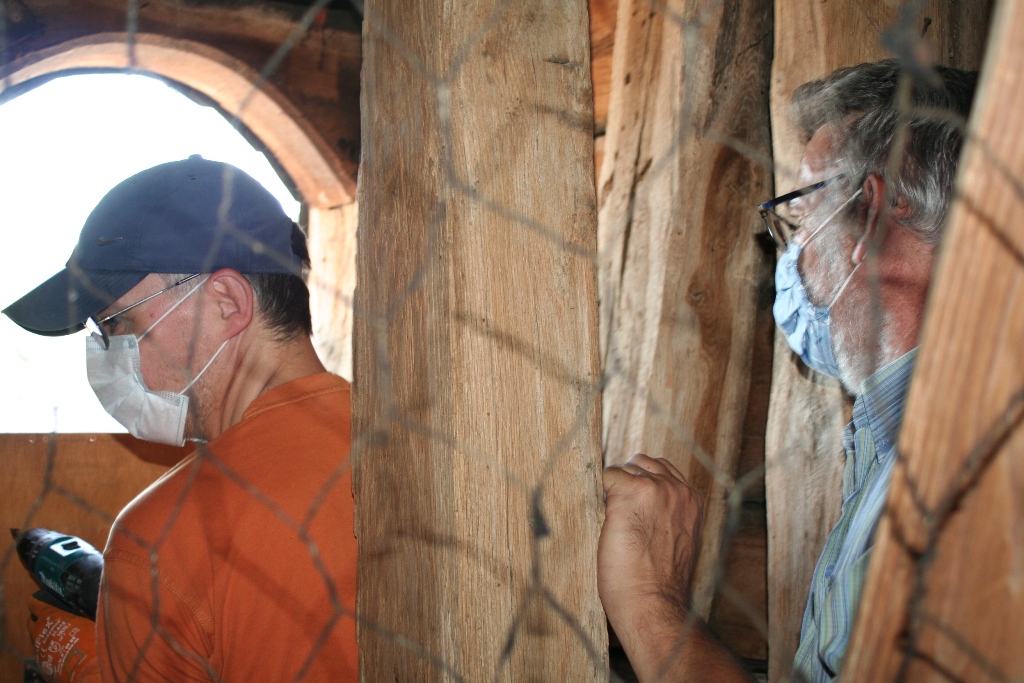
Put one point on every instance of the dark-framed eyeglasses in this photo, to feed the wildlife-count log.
(775, 213)
(96, 329)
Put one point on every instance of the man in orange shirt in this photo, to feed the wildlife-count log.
(240, 562)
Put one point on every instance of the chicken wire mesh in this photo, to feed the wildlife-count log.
(902, 39)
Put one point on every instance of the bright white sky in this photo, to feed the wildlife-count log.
(62, 146)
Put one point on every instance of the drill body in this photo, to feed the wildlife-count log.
(65, 566)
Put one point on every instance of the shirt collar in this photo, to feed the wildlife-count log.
(879, 406)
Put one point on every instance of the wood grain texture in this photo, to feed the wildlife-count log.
(602, 41)
(804, 456)
(739, 613)
(686, 159)
(477, 405)
(332, 282)
(91, 477)
(943, 599)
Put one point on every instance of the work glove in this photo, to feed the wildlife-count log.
(65, 643)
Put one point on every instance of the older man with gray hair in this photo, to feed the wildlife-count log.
(858, 244)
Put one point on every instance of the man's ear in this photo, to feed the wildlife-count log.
(873, 194)
(232, 300)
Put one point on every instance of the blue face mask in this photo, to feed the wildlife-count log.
(806, 326)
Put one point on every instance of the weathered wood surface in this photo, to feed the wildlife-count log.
(804, 455)
(332, 282)
(101, 472)
(602, 41)
(942, 599)
(686, 159)
(739, 611)
(477, 403)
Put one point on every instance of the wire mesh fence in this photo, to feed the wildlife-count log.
(664, 259)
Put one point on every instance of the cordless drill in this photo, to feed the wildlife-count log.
(66, 567)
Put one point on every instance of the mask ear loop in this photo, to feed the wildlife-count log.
(205, 367)
(842, 288)
(831, 216)
(171, 309)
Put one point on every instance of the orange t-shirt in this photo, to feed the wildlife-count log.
(254, 550)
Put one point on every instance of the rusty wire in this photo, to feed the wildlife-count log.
(537, 593)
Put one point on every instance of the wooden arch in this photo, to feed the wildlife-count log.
(323, 181)
(236, 87)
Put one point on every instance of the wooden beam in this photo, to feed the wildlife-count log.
(942, 598)
(477, 403)
(332, 281)
(682, 274)
(602, 41)
(804, 455)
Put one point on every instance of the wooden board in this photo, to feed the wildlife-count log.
(602, 41)
(682, 272)
(91, 477)
(477, 406)
(804, 456)
(332, 282)
(942, 599)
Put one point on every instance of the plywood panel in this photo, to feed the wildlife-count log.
(75, 483)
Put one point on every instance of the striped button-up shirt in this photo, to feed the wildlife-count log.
(870, 443)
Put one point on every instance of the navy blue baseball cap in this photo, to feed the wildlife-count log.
(191, 216)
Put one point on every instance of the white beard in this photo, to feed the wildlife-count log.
(856, 327)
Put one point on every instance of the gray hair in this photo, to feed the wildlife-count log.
(863, 103)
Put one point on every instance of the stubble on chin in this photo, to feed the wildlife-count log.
(854, 339)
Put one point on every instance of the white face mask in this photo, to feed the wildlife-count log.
(807, 327)
(115, 374)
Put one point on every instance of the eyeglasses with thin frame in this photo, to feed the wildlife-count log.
(96, 329)
(780, 227)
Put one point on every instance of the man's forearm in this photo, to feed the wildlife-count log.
(646, 556)
(686, 653)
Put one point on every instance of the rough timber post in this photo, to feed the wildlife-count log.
(686, 159)
(477, 394)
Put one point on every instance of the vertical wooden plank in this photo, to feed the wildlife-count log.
(332, 281)
(602, 40)
(804, 455)
(477, 404)
(686, 159)
(943, 596)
